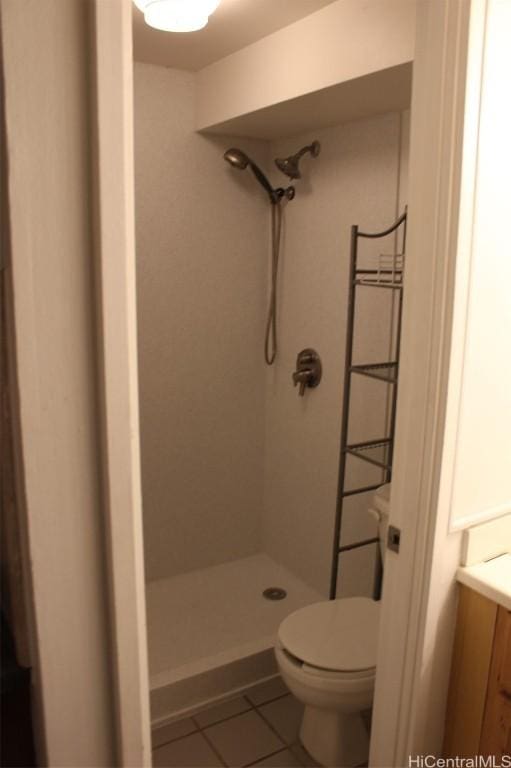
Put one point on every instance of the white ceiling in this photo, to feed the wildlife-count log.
(234, 25)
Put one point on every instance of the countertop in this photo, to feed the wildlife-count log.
(492, 579)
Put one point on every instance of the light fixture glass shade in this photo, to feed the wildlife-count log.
(177, 15)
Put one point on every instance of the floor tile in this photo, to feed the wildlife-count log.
(221, 711)
(243, 739)
(285, 715)
(266, 691)
(284, 759)
(303, 756)
(190, 752)
(173, 731)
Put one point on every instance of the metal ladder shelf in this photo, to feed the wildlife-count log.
(387, 274)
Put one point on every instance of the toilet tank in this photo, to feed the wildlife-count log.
(379, 508)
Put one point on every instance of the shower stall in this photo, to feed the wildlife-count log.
(239, 473)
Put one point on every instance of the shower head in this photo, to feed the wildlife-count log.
(290, 165)
(238, 159)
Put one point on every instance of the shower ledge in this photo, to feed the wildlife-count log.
(167, 677)
(184, 690)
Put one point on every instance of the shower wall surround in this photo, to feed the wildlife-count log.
(359, 178)
(202, 253)
(233, 461)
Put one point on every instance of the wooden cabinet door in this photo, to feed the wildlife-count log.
(471, 664)
(496, 731)
(504, 673)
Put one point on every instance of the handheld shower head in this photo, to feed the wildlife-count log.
(238, 159)
(290, 165)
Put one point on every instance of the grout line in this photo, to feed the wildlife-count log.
(270, 754)
(251, 708)
(295, 747)
(212, 746)
(176, 738)
(269, 701)
(217, 722)
(296, 754)
(201, 728)
(265, 720)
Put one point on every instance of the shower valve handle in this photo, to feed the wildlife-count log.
(308, 370)
(303, 378)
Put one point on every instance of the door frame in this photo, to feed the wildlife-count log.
(419, 596)
(73, 344)
(437, 129)
(114, 225)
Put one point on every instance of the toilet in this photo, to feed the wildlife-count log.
(326, 653)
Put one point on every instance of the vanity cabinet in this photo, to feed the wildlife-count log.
(496, 730)
(478, 717)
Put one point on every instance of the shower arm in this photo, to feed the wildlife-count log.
(303, 151)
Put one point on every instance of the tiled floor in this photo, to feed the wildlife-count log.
(259, 727)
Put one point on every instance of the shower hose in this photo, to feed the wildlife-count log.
(270, 341)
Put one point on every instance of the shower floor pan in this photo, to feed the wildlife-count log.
(211, 631)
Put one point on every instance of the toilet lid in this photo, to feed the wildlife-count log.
(339, 635)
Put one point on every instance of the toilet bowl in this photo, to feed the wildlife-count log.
(326, 653)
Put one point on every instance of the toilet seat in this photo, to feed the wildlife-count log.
(341, 676)
(333, 636)
(345, 675)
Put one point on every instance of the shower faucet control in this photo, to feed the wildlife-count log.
(308, 370)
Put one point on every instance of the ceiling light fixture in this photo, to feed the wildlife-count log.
(177, 15)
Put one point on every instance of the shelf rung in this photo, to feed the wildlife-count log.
(360, 450)
(382, 441)
(363, 271)
(374, 284)
(358, 544)
(365, 489)
(382, 371)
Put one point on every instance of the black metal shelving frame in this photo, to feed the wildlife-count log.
(376, 452)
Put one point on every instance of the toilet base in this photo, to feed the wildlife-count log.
(334, 739)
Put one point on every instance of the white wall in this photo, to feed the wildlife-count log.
(46, 59)
(202, 254)
(354, 180)
(478, 444)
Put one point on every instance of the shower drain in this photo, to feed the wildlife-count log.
(274, 593)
